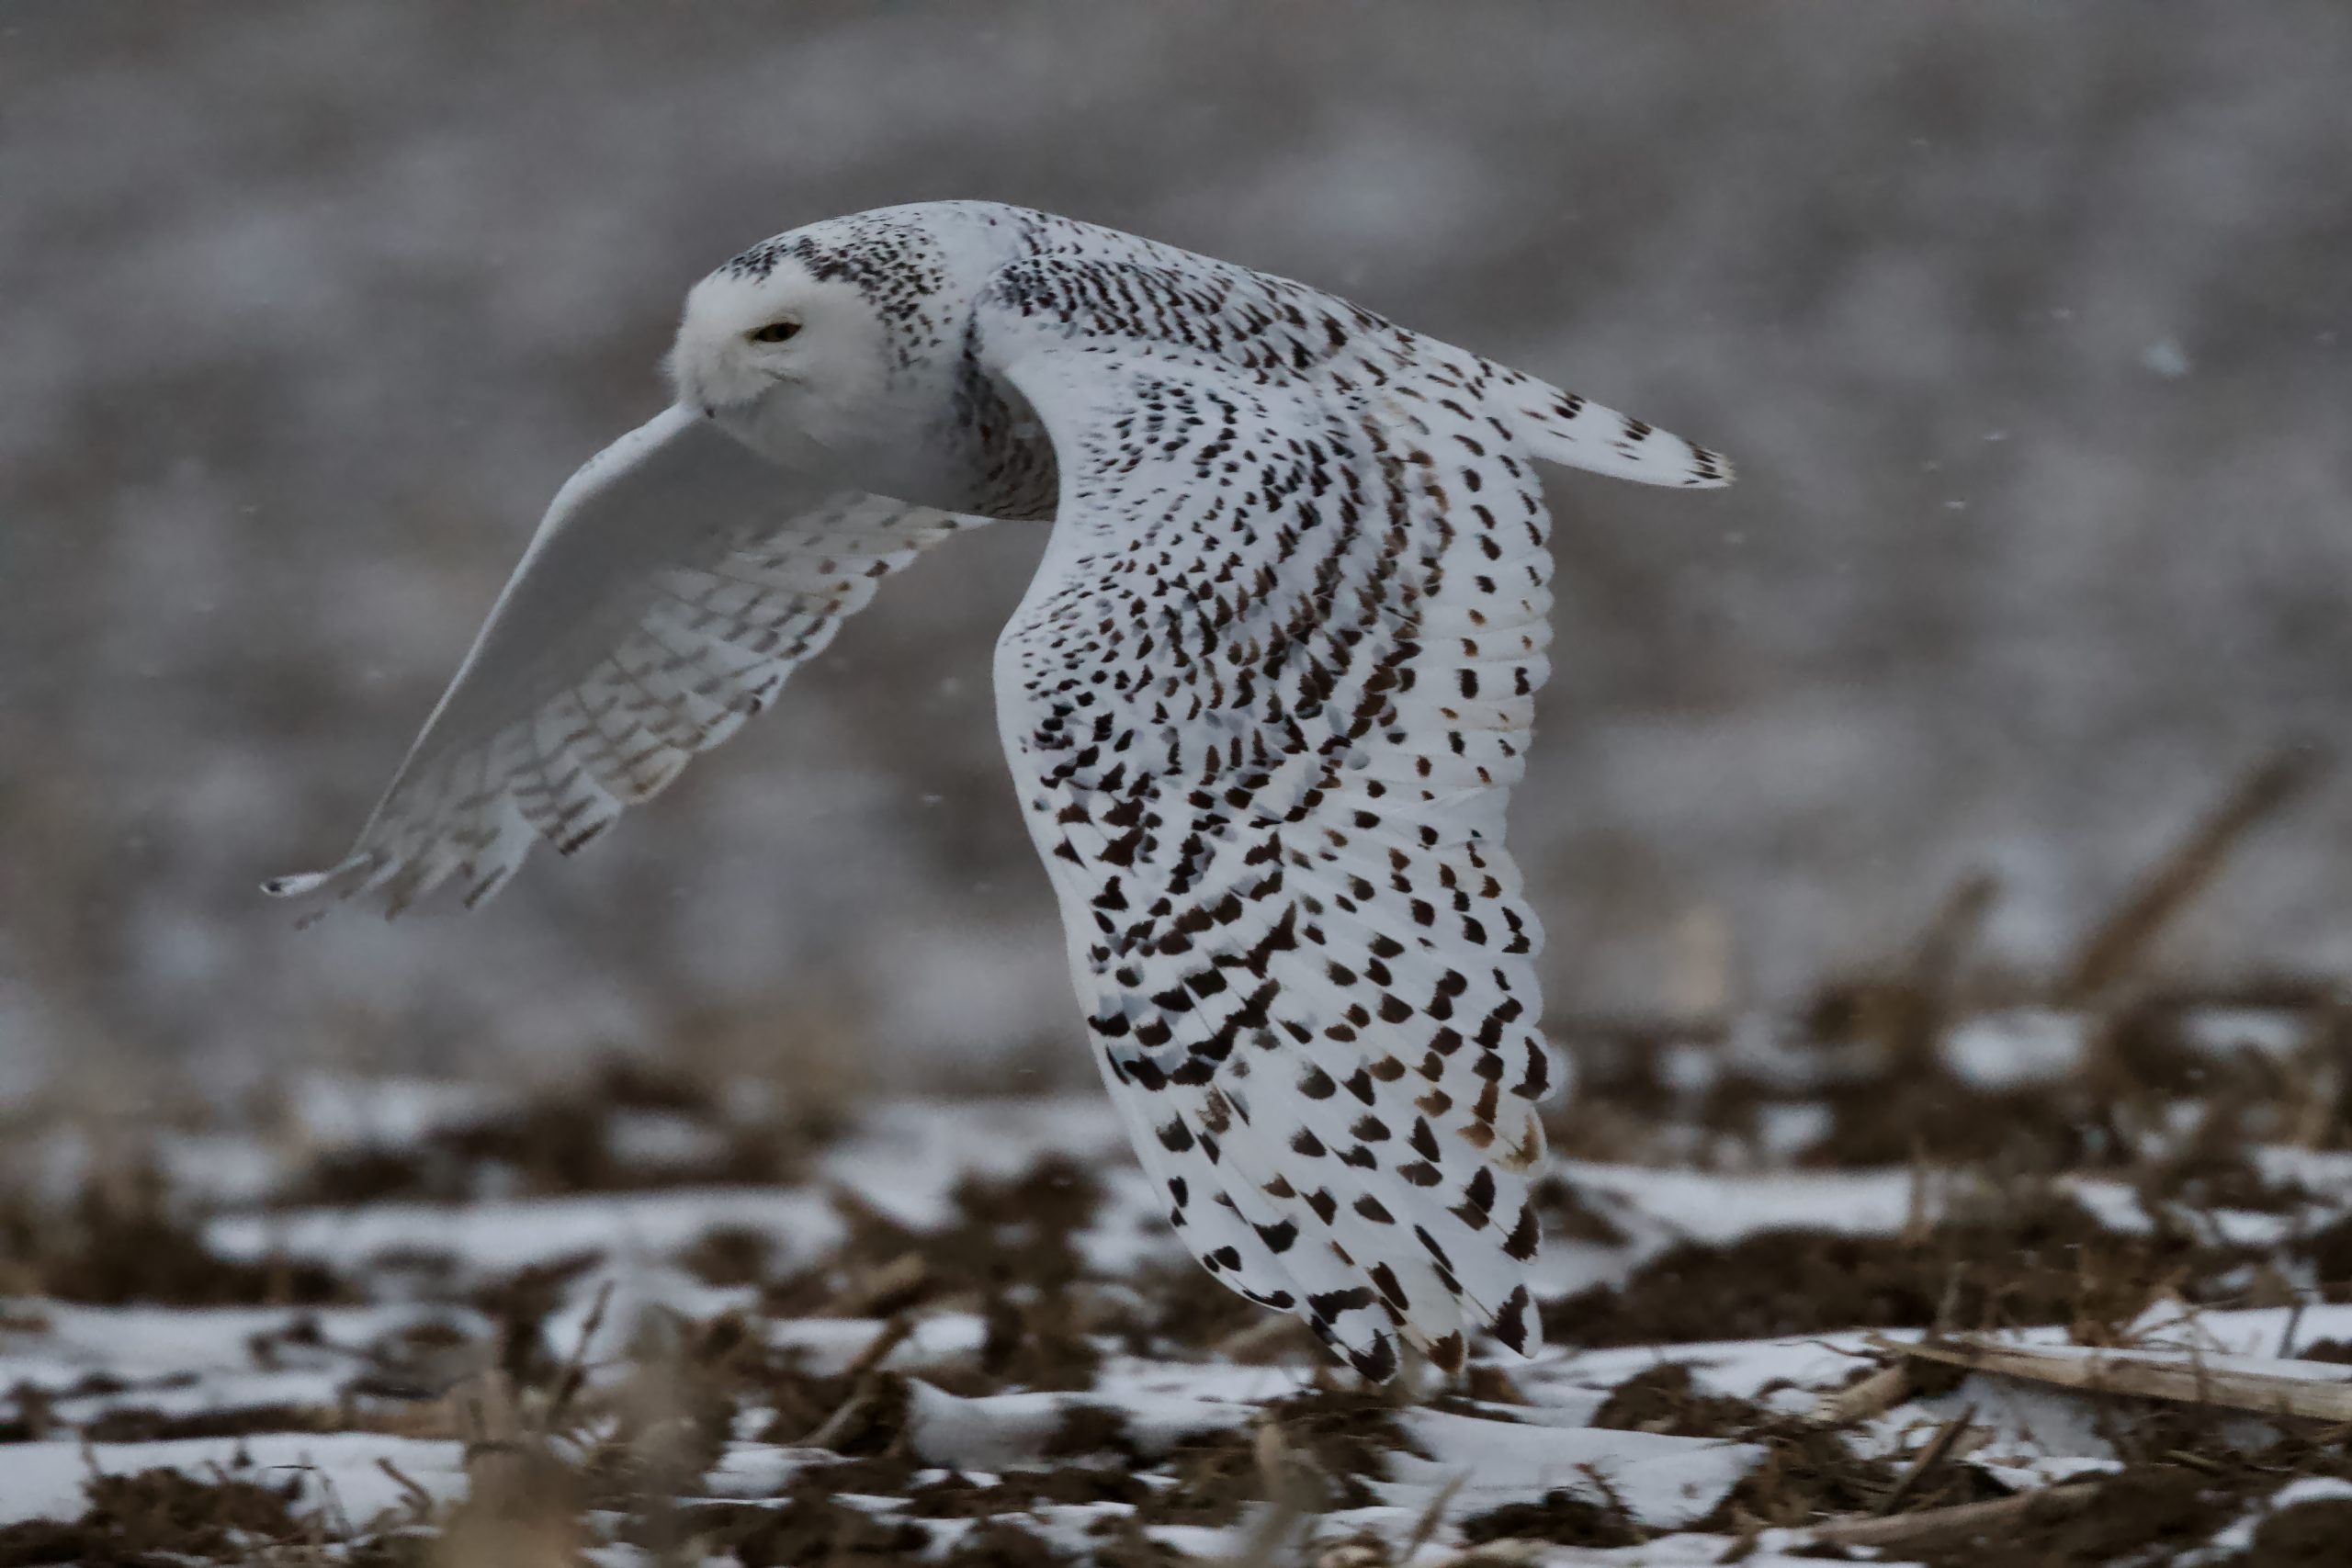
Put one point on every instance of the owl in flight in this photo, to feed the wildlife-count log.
(1264, 702)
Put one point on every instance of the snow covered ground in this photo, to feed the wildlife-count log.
(642, 1321)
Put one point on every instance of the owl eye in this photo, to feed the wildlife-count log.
(775, 332)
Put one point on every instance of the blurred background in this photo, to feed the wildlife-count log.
(2026, 325)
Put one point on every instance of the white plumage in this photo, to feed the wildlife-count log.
(1264, 702)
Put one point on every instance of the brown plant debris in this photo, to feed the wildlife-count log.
(1559, 1516)
(121, 1241)
(133, 1521)
(2039, 1258)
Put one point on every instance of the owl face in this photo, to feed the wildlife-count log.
(797, 365)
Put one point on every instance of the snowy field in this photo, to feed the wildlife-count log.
(2047, 1281)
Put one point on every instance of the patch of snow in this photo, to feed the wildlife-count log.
(144, 1342)
(507, 1234)
(2046, 1470)
(2229, 1032)
(1559, 1407)
(2016, 1047)
(658, 1138)
(45, 1479)
(828, 1344)
(1708, 1207)
(2254, 1333)
(1127, 1381)
(1783, 1131)
(760, 1469)
(217, 1168)
(2322, 1170)
(332, 1111)
(2024, 1424)
(2114, 1204)
(1688, 1069)
(1663, 1482)
(1741, 1368)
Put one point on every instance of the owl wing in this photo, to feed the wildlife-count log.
(677, 579)
(1264, 704)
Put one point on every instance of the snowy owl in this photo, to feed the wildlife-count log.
(1264, 702)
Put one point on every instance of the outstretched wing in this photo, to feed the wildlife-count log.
(1265, 702)
(677, 579)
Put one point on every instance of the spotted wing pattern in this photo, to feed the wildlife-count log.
(1265, 703)
(677, 581)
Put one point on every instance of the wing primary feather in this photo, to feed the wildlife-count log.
(596, 677)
